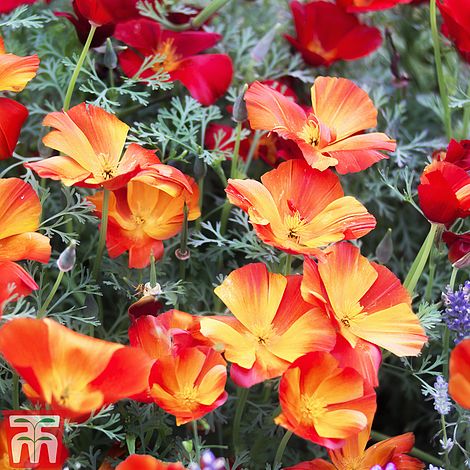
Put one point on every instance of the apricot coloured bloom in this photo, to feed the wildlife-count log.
(326, 33)
(459, 375)
(147, 462)
(91, 142)
(323, 402)
(444, 193)
(206, 76)
(271, 325)
(365, 300)
(299, 209)
(189, 383)
(355, 455)
(147, 211)
(72, 373)
(332, 134)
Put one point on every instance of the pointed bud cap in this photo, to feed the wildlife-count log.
(67, 258)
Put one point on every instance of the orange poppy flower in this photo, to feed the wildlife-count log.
(332, 134)
(365, 300)
(323, 402)
(146, 212)
(189, 383)
(147, 462)
(299, 209)
(459, 377)
(16, 71)
(159, 336)
(355, 455)
(71, 372)
(91, 141)
(262, 346)
(20, 213)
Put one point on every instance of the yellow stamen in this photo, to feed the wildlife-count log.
(170, 58)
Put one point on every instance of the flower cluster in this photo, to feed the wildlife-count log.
(457, 310)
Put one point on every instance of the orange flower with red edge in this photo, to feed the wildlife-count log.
(323, 402)
(261, 346)
(459, 373)
(326, 33)
(355, 455)
(189, 383)
(16, 71)
(333, 133)
(20, 213)
(160, 336)
(299, 209)
(365, 300)
(147, 211)
(72, 373)
(92, 142)
(147, 462)
(444, 192)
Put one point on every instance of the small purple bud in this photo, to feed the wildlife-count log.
(67, 258)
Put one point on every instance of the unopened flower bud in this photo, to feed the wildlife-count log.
(240, 113)
(259, 52)
(384, 250)
(67, 258)
(110, 58)
(154, 291)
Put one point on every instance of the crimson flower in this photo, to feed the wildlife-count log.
(369, 5)
(206, 76)
(101, 12)
(326, 33)
(456, 26)
(459, 248)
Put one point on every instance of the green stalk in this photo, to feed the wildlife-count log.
(446, 335)
(419, 263)
(153, 271)
(251, 153)
(16, 391)
(43, 309)
(281, 449)
(415, 452)
(288, 265)
(241, 402)
(466, 117)
(76, 72)
(439, 69)
(444, 437)
(205, 14)
(102, 238)
(197, 446)
(432, 273)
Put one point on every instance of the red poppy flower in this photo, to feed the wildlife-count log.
(444, 193)
(71, 372)
(326, 33)
(8, 5)
(323, 402)
(389, 451)
(189, 383)
(101, 12)
(170, 331)
(456, 25)
(206, 76)
(82, 26)
(91, 141)
(369, 5)
(457, 153)
(459, 248)
(12, 117)
(459, 373)
(332, 134)
(147, 462)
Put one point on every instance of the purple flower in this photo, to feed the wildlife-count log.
(441, 397)
(457, 312)
(389, 466)
(210, 462)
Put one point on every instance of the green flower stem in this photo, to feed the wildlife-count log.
(415, 452)
(446, 335)
(76, 72)
(432, 273)
(42, 311)
(439, 69)
(197, 445)
(253, 147)
(102, 238)
(288, 265)
(444, 437)
(281, 449)
(466, 117)
(205, 14)
(241, 402)
(153, 271)
(16, 391)
(419, 263)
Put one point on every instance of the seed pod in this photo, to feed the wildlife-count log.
(67, 258)
(384, 250)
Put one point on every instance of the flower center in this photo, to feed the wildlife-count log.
(187, 395)
(311, 408)
(108, 170)
(170, 59)
(310, 133)
(294, 224)
(263, 335)
(138, 220)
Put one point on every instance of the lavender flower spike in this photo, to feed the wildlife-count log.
(457, 312)
(441, 396)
